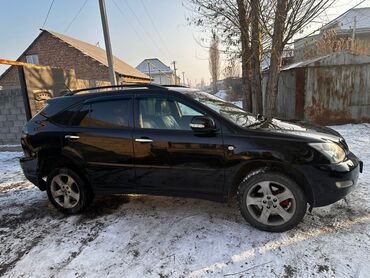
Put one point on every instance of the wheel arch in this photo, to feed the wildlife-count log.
(54, 159)
(275, 166)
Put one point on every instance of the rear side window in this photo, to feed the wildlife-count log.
(108, 114)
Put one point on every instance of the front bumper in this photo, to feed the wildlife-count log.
(330, 183)
(30, 167)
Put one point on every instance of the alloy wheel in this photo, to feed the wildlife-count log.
(271, 203)
(65, 191)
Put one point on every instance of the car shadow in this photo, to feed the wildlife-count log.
(174, 209)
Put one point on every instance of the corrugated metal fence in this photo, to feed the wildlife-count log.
(333, 89)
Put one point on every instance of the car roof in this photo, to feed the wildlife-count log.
(72, 98)
(111, 91)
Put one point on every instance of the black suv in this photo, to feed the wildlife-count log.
(148, 139)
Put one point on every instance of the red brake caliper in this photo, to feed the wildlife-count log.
(284, 203)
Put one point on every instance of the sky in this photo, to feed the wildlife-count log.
(160, 30)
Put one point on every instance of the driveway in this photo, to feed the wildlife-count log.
(146, 236)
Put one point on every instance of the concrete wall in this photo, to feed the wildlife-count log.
(12, 116)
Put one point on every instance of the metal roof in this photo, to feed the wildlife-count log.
(343, 24)
(346, 20)
(153, 66)
(334, 59)
(100, 55)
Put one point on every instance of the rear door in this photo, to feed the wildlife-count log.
(169, 156)
(100, 137)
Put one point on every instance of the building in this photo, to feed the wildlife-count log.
(333, 89)
(353, 22)
(88, 61)
(158, 72)
(63, 61)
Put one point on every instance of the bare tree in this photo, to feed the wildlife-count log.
(256, 79)
(249, 29)
(232, 68)
(329, 43)
(214, 61)
(230, 19)
(276, 51)
(244, 24)
(290, 17)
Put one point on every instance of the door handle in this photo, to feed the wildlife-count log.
(143, 140)
(72, 137)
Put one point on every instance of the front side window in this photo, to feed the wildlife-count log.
(108, 114)
(162, 113)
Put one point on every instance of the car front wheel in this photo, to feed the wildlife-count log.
(67, 191)
(271, 201)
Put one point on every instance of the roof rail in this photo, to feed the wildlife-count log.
(175, 86)
(133, 85)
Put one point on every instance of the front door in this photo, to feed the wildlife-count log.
(169, 156)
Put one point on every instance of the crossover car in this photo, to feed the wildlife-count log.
(174, 141)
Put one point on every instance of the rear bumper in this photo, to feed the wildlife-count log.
(330, 183)
(30, 167)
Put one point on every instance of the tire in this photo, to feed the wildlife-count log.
(271, 201)
(67, 191)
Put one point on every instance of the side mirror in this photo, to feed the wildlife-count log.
(202, 124)
(260, 117)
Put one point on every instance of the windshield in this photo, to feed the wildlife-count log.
(224, 108)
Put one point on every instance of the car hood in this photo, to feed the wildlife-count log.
(301, 129)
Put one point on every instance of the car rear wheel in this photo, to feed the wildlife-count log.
(67, 191)
(271, 201)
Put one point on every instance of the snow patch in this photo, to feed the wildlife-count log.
(147, 236)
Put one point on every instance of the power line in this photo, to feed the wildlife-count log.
(133, 27)
(144, 29)
(154, 27)
(47, 15)
(129, 22)
(74, 18)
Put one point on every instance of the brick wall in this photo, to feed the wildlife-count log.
(56, 53)
(12, 116)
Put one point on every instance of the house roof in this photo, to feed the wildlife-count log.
(334, 59)
(346, 20)
(152, 66)
(343, 24)
(100, 55)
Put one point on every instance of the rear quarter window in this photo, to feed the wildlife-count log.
(65, 117)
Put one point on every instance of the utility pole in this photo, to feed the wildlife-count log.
(174, 69)
(183, 78)
(108, 46)
(354, 33)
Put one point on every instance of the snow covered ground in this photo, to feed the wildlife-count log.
(146, 236)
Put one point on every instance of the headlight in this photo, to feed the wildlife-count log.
(331, 151)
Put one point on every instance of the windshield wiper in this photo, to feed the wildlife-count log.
(260, 120)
